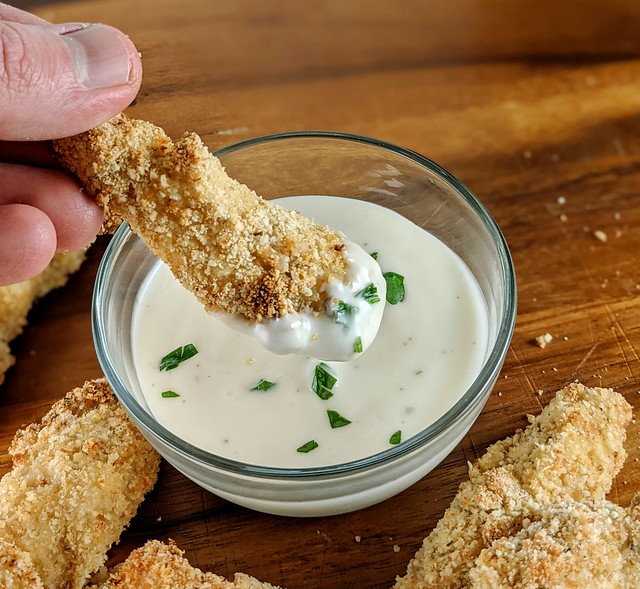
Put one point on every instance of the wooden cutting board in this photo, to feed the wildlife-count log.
(535, 106)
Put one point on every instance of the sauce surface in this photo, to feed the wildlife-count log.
(429, 349)
(347, 317)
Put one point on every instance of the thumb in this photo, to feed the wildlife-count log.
(59, 80)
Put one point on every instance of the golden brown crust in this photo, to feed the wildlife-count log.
(78, 477)
(565, 459)
(573, 448)
(162, 566)
(235, 251)
(16, 300)
(16, 568)
(571, 545)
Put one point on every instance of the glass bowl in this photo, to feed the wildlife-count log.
(341, 165)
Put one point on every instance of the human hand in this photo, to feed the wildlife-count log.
(55, 81)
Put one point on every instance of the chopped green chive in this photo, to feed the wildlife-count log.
(263, 385)
(370, 294)
(374, 255)
(357, 346)
(310, 445)
(395, 287)
(396, 438)
(323, 381)
(169, 394)
(174, 358)
(343, 311)
(336, 420)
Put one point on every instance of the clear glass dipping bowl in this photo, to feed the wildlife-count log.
(339, 165)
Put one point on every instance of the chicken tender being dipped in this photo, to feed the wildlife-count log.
(273, 269)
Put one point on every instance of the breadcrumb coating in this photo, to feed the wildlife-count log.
(235, 251)
(574, 448)
(563, 462)
(572, 545)
(162, 566)
(16, 300)
(17, 570)
(78, 477)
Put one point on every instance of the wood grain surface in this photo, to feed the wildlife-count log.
(533, 105)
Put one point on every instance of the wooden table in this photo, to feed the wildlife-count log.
(534, 105)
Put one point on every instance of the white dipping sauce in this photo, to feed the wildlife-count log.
(330, 335)
(429, 349)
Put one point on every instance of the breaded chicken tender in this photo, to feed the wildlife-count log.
(17, 570)
(567, 456)
(78, 477)
(235, 251)
(16, 300)
(572, 545)
(162, 566)
(574, 448)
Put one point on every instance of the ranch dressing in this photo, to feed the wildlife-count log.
(428, 350)
(331, 335)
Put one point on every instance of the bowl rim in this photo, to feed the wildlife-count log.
(468, 402)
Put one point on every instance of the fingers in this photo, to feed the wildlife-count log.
(27, 242)
(11, 14)
(75, 217)
(59, 80)
(55, 81)
(32, 153)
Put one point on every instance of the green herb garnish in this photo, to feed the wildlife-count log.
(374, 255)
(396, 438)
(310, 445)
(370, 294)
(343, 311)
(357, 345)
(263, 385)
(395, 287)
(323, 381)
(169, 394)
(173, 359)
(336, 420)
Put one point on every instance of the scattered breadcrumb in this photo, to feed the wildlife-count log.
(16, 300)
(600, 235)
(78, 477)
(533, 513)
(162, 566)
(544, 339)
(358, 538)
(234, 250)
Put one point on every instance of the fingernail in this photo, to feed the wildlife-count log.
(100, 57)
